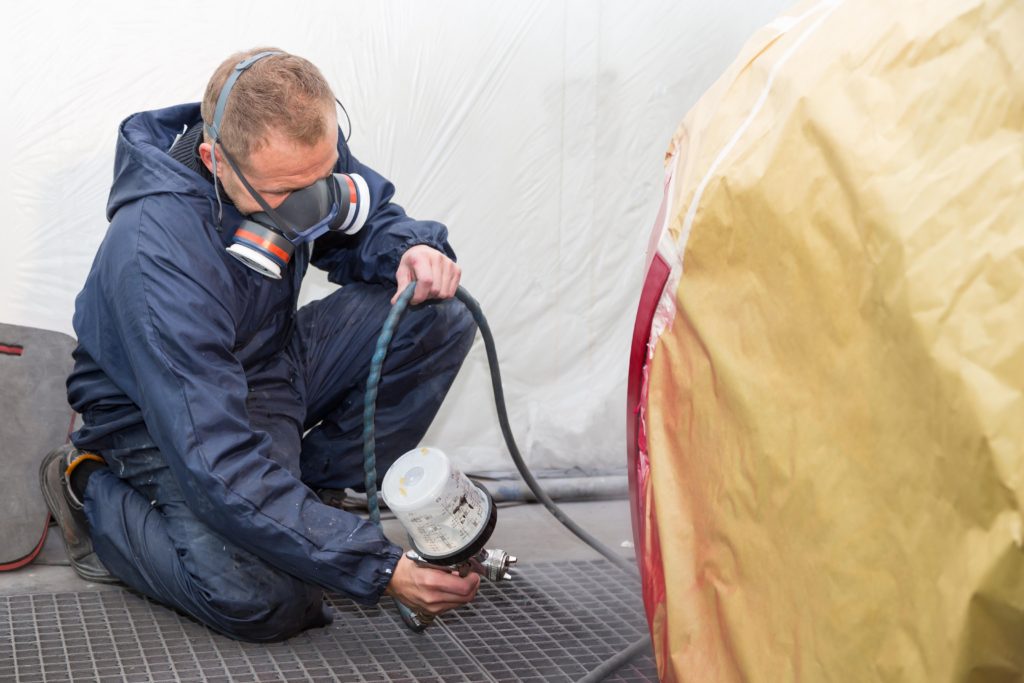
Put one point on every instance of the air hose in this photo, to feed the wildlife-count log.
(370, 460)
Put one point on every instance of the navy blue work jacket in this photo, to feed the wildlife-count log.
(168, 325)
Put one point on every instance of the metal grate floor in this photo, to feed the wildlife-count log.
(554, 622)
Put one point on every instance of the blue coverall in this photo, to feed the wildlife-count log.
(219, 406)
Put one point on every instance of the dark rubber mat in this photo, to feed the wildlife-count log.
(553, 622)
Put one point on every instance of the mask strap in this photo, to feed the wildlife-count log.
(279, 222)
(216, 184)
(222, 100)
(213, 129)
(344, 111)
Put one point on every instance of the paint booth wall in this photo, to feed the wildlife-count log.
(535, 130)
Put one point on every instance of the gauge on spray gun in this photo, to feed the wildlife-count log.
(448, 518)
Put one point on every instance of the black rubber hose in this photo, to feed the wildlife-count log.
(612, 663)
(608, 666)
(506, 431)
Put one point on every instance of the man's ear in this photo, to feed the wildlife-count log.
(205, 153)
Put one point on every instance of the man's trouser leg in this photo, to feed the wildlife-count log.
(335, 340)
(143, 530)
(147, 536)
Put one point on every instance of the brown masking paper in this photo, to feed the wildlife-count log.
(834, 409)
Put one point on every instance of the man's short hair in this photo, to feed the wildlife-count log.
(284, 93)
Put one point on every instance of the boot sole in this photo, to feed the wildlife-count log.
(54, 506)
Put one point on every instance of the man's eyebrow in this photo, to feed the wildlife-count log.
(283, 189)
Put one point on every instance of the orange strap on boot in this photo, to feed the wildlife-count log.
(79, 459)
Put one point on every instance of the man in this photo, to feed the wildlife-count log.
(212, 407)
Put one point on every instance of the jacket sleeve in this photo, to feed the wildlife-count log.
(372, 255)
(173, 309)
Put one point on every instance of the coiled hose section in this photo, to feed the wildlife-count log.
(370, 459)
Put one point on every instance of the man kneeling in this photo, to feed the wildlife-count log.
(213, 407)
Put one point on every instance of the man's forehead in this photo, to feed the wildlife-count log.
(282, 157)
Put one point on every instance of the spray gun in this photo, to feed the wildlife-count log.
(448, 518)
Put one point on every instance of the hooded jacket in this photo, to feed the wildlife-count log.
(169, 324)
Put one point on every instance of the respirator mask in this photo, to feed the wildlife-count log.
(266, 240)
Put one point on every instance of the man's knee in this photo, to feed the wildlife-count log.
(463, 325)
(446, 326)
(270, 606)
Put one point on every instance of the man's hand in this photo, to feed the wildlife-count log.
(430, 591)
(436, 275)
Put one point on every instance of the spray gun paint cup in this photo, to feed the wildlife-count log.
(448, 518)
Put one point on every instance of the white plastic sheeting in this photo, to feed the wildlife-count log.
(535, 130)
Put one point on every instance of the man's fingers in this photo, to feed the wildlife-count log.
(428, 275)
(449, 594)
(458, 587)
(453, 274)
(436, 275)
(424, 287)
(435, 595)
(443, 278)
(429, 590)
(403, 277)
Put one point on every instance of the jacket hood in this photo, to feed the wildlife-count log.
(142, 165)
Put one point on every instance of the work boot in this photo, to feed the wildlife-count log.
(333, 497)
(66, 510)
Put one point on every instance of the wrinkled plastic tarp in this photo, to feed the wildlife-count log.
(533, 129)
(834, 412)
